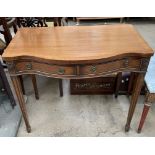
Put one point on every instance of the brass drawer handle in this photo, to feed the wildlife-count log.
(61, 71)
(93, 69)
(126, 63)
(10, 65)
(28, 66)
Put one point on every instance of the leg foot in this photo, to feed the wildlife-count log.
(116, 96)
(139, 131)
(28, 129)
(143, 117)
(127, 128)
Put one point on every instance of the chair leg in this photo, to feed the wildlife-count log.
(143, 117)
(35, 86)
(118, 82)
(7, 86)
(22, 83)
(60, 87)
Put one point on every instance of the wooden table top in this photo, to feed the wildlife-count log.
(77, 43)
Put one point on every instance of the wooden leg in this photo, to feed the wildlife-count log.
(18, 90)
(131, 82)
(121, 20)
(35, 86)
(143, 117)
(77, 21)
(118, 82)
(136, 91)
(7, 86)
(60, 87)
(22, 83)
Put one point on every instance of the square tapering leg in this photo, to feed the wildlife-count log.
(18, 90)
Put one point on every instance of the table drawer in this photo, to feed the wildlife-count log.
(44, 68)
(126, 63)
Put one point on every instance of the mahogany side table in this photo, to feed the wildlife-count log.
(76, 52)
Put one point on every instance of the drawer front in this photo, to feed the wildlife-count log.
(96, 69)
(44, 68)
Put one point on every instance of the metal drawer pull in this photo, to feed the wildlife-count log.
(126, 63)
(93, 69)
(29, 66)
(61, 71)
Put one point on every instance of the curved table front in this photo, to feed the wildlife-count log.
(76, 52)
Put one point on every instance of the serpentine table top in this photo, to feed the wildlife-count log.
(77, 43)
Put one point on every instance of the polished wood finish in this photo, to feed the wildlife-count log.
(76, 44)
(17, 87)
(114, 65)
(136, 92)
(29, 66)
(79, 52)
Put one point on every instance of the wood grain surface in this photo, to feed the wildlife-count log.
(77, 43)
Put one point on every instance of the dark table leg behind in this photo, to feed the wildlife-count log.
(7, 86)
(60, 87)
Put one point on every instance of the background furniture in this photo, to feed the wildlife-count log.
(3, 78)
(32, 21)
(8, 23)
(78, 19)
(150, 95)
(41, 21)
(102, 85)
(74, 60)
(2, 46)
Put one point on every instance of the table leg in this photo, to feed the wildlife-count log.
(22, 83)
(34, 82)
(18, 90)
(136, 91)
(131, 82)
(118, 83)
(60, 87)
